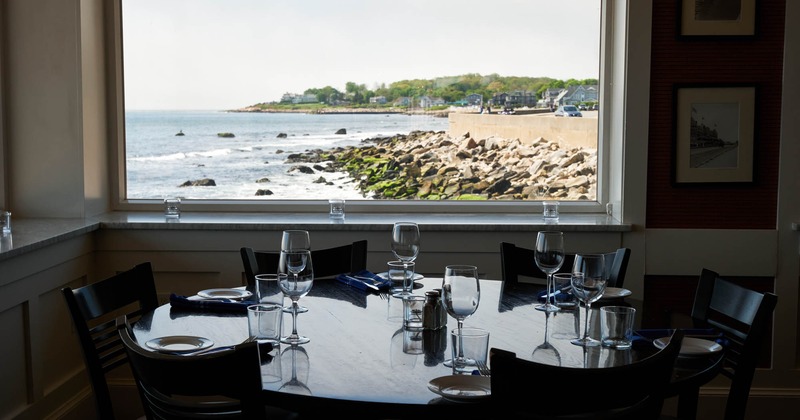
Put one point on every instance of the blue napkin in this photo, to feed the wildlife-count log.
(565, 296)
(362, 279)
(227, 305)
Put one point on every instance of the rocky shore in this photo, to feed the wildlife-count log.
(435, 166)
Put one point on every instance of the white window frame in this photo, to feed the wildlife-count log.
(617, 88)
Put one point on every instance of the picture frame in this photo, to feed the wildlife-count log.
(707, 18)
(714, 130)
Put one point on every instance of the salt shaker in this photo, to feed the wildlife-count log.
(434, 315)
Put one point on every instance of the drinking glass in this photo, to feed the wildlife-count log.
(291, 240)
(405, 246)
(588, 283)
(549, 256)
(461, 293)
(296, 286)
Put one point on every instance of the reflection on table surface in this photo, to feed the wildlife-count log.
(359, 350)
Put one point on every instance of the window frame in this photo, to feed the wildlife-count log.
(613, 39)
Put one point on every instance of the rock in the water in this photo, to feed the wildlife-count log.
(341, 131)
(264, 192)
(205, 182)
(225, 135)
(282, 135)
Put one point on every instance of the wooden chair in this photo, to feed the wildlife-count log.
(582, 393)
(517, 261)
(93, 309)
(223, 384)
(327, 262)
(743, 316)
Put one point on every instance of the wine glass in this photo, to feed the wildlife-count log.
(549, 256)
(545, 352)
(461, 293)
(296, 357)
(405, 246)
(588, 283)
(295, 239)
(296, 286)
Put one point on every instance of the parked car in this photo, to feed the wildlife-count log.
(568, 111)
(582, 107)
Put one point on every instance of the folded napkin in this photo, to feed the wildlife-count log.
(364, 279)
(212, 305)
(564, 296)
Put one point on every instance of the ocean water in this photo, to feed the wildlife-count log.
(158, 161)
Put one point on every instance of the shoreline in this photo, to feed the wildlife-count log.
(443, 113)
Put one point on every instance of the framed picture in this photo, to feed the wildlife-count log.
(717, 17)
(714, 133)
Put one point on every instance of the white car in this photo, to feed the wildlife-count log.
(568, 111)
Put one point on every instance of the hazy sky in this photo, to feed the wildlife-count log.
(223, 54)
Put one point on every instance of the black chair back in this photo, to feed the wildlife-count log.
(327, 262)
(582, 393)
(223, 384)
(743, 316)
(517, 261)
(93, 309)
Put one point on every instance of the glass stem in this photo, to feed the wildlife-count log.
(294, 318)
(551, 289)
(586, 322)
(460, 340)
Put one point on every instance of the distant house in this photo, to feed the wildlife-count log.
(499, 99)
(549, 97)
(403, 101)
(427, 102)
(474, 99)
(377, 100)
(574, 95)
(520, 98)
(299, 99)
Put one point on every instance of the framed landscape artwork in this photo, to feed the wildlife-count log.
(714, 134)
(717, 18)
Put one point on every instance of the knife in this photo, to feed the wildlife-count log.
(355, 282)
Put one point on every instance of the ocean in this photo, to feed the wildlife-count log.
(158, 161)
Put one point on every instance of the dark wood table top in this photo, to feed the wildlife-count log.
(356, 350)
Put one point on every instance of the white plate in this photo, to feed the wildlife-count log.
(462, 387)
(691, 346)
(179, 344)
(615, 293)
(234, 294)
(385, 275)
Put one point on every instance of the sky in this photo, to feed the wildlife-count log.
(225, 54)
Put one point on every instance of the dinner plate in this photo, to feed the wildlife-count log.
(234, 294)
(417, 276)
(179, 344)
(461, 387)
(691, 346)
(615, 293)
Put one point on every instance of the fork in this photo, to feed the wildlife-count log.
(482, 368)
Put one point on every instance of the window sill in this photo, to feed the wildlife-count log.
(31, 234)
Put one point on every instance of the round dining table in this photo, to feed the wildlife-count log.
(361, 360)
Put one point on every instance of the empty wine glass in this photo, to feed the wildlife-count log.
(461, 293)
(405, 246)
(549, 256)
(588, 283)
(297, 285)
(545, 352)
(296, 357)
(295, 240)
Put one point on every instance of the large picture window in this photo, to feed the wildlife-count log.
(451, 102)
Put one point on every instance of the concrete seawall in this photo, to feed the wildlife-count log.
(575, 132)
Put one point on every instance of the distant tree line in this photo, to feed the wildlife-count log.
(451, 89)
